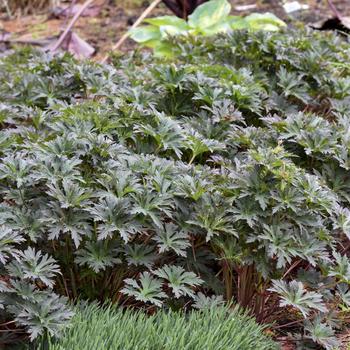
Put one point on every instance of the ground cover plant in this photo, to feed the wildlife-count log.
(222, 173)
(104, 328)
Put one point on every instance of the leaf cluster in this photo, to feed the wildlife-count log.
(207, 19)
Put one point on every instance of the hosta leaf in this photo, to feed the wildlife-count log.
(162, 49)
(209, 14)
(167, 20)
(237, 22)
(221, 27)
(267, 21)
(143, 34)
(169, 25)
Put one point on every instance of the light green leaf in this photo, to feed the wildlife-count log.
(144, 34)
(264, 21)
(168, 30)
(209, 14)
(237, 22)
(167, 21)
(163, 49)
(222, 27)
(169, 25)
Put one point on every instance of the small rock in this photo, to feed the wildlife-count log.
(294, 6)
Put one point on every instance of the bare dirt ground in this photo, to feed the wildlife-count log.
(114, 18)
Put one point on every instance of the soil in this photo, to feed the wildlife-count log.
(104, 29)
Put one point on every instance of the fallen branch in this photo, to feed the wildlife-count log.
(36, 42)
(70, 25)
(143, 15)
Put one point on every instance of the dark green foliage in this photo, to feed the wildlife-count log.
(104, 328)
(225, 171)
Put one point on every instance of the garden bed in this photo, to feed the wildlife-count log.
(104, 29)
(219, 173)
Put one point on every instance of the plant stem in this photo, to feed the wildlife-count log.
(334, 9)
(227, 275)
(143, 15)
(70, 25)
(192, 159)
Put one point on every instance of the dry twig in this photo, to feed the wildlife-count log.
(70, 25)
(143, 15)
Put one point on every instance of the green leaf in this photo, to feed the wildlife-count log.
(8, 240)
(44, 312)
(203, 302)
(145, 34)
(322, 333)
(237, 22)
(264, 21)
(222, 27)
(294, 294)
(169, 25)
(97, 256)
(170, 237)
(167, 21)
(163, 50)
(34, 265)
(209, 14)
(179, 280)
(341, 268)
(140, 255)
(147, 290)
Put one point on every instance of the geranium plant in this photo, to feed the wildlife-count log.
(221, 175)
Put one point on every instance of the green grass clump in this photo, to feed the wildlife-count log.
(107, 327)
